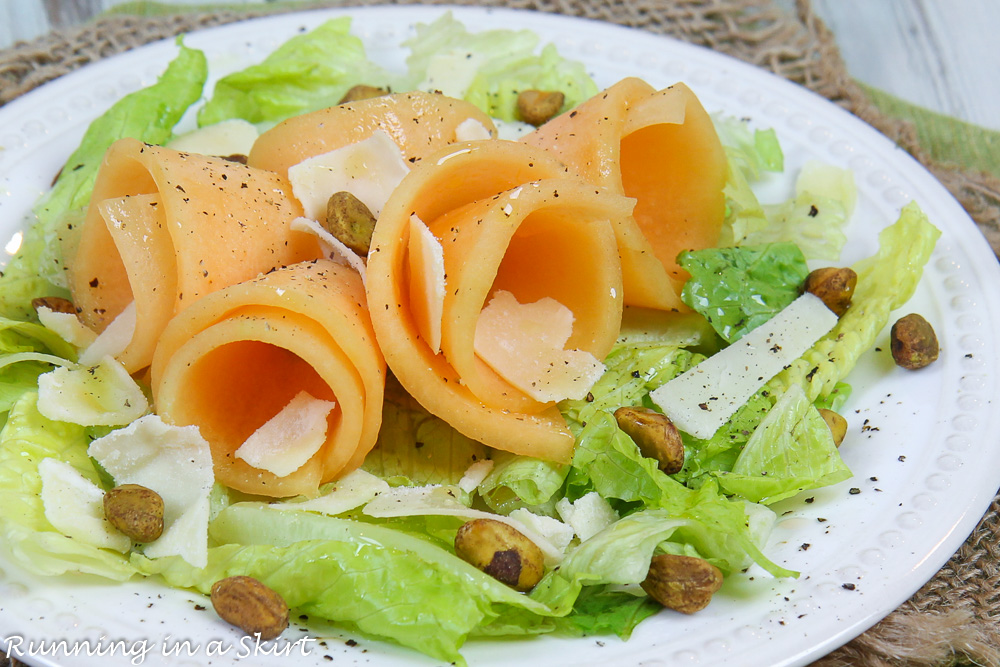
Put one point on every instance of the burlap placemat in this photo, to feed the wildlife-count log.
(954, 618)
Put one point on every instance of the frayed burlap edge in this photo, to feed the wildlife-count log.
(955, 616)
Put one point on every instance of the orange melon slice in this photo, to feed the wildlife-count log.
(419, 123)
(165, 228)
(660, 148)
(507, 219)
(236, 359)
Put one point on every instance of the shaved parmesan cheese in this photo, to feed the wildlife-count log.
(101, 395)
(287, 440)
(471, 129)
(75, 506)
(113, 340)
(705, 397)
(588, 516)
(475, 475)
(554, 530)
(67, 326)
(332, 247)
(174, 461)
(229, 137)
(427, 282)
(352, 490)
(524, 343)
(443, 501)
(369, 169)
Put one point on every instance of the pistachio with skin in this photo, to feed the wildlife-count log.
(834, 286)
(56, 304)
(655, 435)
(683, 583)
(251, 606)
(837, 424)
(348, 219)
(362, 92)
(136, 511)
(536, 107)
(501, 551)
(913, 342)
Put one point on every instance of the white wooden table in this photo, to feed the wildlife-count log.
(940, 54)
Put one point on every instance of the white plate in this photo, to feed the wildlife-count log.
(922, 444)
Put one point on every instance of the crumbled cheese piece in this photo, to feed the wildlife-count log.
(369, 169)
(332, 247)
(554, 530)
(229, 137)
(101, 395)
(524, 343)
(174, 461)
(114, 339)
(588, 516)
(350, 491)
(475, 475)
(471, 129)
(287, 440)
(427, 282)
(75, 506)
(443, 501)
(702, 399)
(67, 326)
(512, 130)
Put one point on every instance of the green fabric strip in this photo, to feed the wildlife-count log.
(946, 139)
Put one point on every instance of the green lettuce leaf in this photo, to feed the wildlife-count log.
(738, 289)
(719, 453)
(25, 534)
(27, 350)
(792, 450)
(814, 219)
(382, 582)
(522, 482)
(490, 68)
(621, 553)
(308, 72)
(747, 155)
(750, 152)
(415, 448)
(632, 370)
(886, 281)
(609, 462)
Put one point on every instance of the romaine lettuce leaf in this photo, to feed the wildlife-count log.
(415, 448)
(308, 72)
(747, 155)
(719, 453)
(522, 482)
(490, 68)
(632, 370)
(744, 213)
(609, 462)
(738, 289)
(750, 152)
(383, 582)
(814, 219)
(790, 451)
(28, 537)
(886, 281)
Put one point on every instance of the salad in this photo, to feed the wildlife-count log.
(713, 509)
